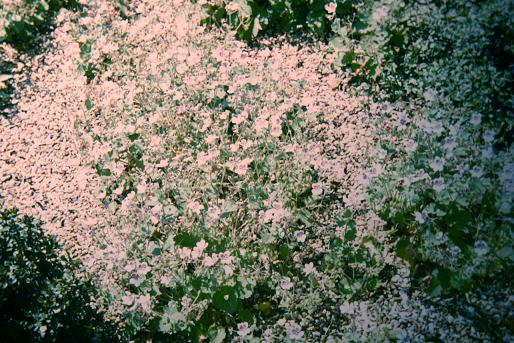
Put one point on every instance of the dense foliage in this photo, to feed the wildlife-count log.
(40, 298)
(446, 70)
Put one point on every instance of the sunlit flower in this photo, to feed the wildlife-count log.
(210, 261)
(309, 268)
(145, 302)
(195, 207)
(214, 212)
(331, 7)
(317, 189)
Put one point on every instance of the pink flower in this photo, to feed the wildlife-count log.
(195, 207)
(214, 212)
(162, 164)
(242, 166)
(184, 253)
(260, 125)
(210, 261)
(210, 139)
(243, 329)
(157, 209)
(317, 189)
(309, 268)
(331, 7)
(286, 283)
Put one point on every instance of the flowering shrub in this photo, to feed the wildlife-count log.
(220, 192)
(253, 18)
(40, 300)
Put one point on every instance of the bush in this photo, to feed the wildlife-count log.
(40, 298)
(252, 18)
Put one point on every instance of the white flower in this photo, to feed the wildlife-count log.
(309, 268)
(185, 301)
(481, 248)
(489, 136)
(476, 119)
(42, 330)
(477, 171)
(294, 331)
(199, 248)
(226, 258)
(286, 283)
(410, 145)
(438, 184)
(184, 253)
(128, 299)
(380, 13)
(437, 164)
(420, 217)
(300, 236)
(228, 270)
(214, 212)
(429, 95)
(195, 207)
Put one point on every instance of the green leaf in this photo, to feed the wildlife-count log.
(348, 58)
(186, 239)
(350, 235)
(404, 250)
(305, 217)
(135, 149)
(133, 136)
(225, 299)
(101, 171)
(89, 104)
(284, 252)
(266, 307)
(506, 252)
(245, 315)
(216, 334)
